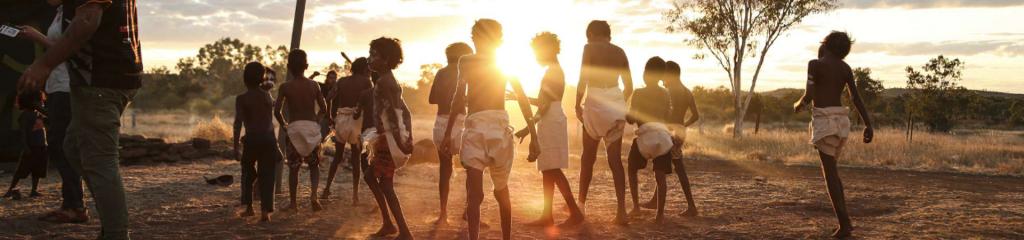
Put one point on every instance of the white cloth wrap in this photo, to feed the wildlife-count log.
(828, 122)
(553, 136)
(346, 127)
(487, 143)
(456, 136)
(604, 113)
(399, 157)
(304, 136)
(653, 140)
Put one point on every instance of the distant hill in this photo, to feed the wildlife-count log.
(894, 92)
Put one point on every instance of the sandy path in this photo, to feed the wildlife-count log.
(738, 200)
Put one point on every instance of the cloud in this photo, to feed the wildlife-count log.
(911, 4)
(1009, 48)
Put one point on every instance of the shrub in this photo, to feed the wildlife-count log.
(213, 130)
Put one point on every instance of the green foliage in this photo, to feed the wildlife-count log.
(936, 96)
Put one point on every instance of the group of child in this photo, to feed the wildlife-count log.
(367, 113)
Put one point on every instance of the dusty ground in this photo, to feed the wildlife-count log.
(738, 200)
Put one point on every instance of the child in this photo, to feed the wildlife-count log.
(487, 141)
(603, 114)
(259, 155)
(682, 102)
(303, 98)
(649, 110)
(348, 124)
(441, 94)
(827, 77)
(33, 161)
(553, 131)
(391, 146)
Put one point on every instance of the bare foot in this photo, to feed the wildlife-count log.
(842, 233)
(355, 200)
(247, 213)
(571, 222)
(690, 212)
(326, 194)
(385, 230)
(650, 205)
(35, 194)
(316, 205)
(441, 220)
(265, 218)
(635, 212)
(659, 220)
(620, 218)
(291, 208)
(542, 222)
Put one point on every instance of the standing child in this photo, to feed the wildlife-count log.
(487, 141)
(348, 123)
(650, 110)
(303, 98)
(33, 160)
(259, 155)
(552, 130)
(441, 93)
(827, 77)
(392, 144)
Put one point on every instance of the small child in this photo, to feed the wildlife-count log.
(391, 146)
(33, 161)
(650, 109)
(259, 155)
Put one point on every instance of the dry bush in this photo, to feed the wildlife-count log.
(213, 130)
(984, 152)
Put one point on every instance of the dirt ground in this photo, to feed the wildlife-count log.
(737, 200)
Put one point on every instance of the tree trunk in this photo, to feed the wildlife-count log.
(737, 91)
(757, 122)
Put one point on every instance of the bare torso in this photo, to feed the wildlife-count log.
(302, 97)
(485, 84)
(830, 78)
(602, 64)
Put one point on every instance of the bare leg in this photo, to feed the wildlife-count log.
(474, 196)
(443, 185)
(293, 184)
(546, 219)
(653, 203)
(587, 160)
(691, 206)
(660, 193)
(35, 188)
(339, 152)
(505, 207)
(314, 182)
(634, 189)
(386, 227)
(835, 193)
(575, 215)
(618, 174)
(388, 187)
(355, 161)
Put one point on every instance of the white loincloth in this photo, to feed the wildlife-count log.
(456, 136)
(397, 155)
(487, 143)
(604, 113)
(346, 127)
(304, 136)
(553, 136)
(829, 128)
(653, 140)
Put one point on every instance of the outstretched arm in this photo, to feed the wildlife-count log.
(32, 34)
(524, 106)
(82, 27)
(863, 111)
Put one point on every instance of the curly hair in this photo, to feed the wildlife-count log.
(547, 42)
(390, 49)
(838, 43)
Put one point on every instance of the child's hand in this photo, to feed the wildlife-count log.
(534, 151)
(869, 134)
(522, 133)
(445, 147)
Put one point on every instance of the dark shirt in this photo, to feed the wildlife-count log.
(254, 110)
(682, 99)
(485, 84)
(348, 91)
(649, 104)
(830, 76)
(112, 58)
(441, 92)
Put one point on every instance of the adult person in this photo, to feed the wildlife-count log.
(104, 56)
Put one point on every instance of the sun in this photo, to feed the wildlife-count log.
(517, 61)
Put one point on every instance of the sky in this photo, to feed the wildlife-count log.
(889, 35)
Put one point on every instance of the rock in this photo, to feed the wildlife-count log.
(132, 138)
(156, 140)
(133, 153)
(201, 143)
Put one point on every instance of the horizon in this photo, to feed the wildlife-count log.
(956, 29)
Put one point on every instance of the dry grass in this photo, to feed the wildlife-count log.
(983, 152)
(213, 130)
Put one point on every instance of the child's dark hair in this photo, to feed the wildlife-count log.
(390, 48)
(253, 73)
(655, 65)
(297, 61)
(672, 68)
(598, 28)
(487, 29)
(359, 66)
(457, 50)
(838, 43)
(546, 42)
